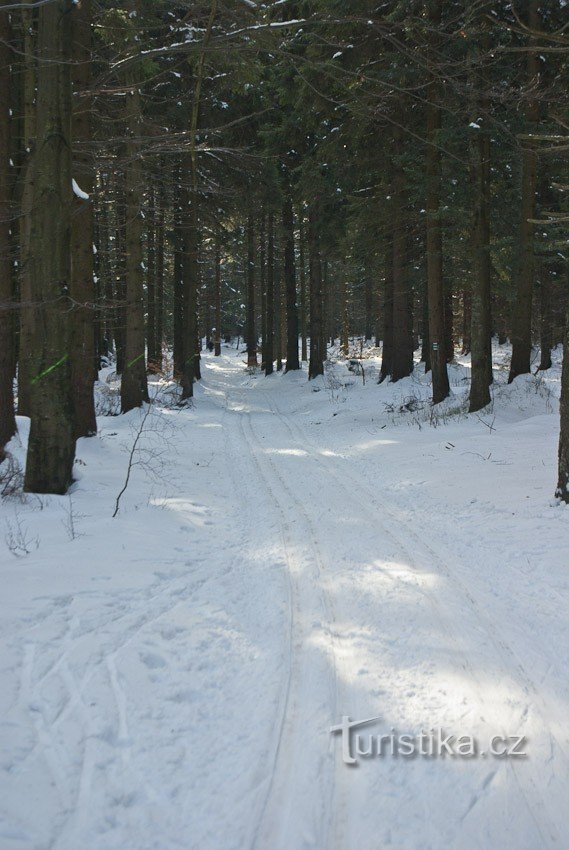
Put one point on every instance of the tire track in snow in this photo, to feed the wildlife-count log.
(277, 815)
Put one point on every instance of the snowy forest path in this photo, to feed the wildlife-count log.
(319, 495)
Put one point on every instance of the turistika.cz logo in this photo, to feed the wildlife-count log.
(434, 743)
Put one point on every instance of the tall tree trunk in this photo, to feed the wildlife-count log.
(368, 331)
(250, 331)
(345, 312)
(402, 362)
(301, 260)
(51, 447)
(82, 231)
(481, 318)
(387, 313)
(151, 338)
(269, 341)
(316, 363)
(466, 320)
(26, 200)
(521, 328)
(7, 315)
(190, 272)
(435, 284)
(217, 341)
(134, 387)
(160, 200)
(292, 361)
(120, 273)
(563, 466)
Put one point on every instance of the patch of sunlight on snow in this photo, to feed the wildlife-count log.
(209, 425)
(191, 512)
(293, 452)
(371, 444)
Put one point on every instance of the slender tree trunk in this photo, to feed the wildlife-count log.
(82, 230)
(263, 284)
(521, 328)
(51, 447)
(435, 284)
(120, 273)
(151, 338)
(27, 330)
(481, 319)
(190, 272)
(466, 320)
(178, 312)
(292, 361)
(345, 312)
(387, 313)
(304, 346)
(160, 199)
(316, 363)
(134, 387)
(563, 467)
(368, 304)
(250, 332)
(217, 342)
(402, 362)
(270, 307)
(7, 315)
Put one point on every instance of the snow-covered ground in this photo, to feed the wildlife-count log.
(286, 554)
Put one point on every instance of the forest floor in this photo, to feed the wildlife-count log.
(288, 553)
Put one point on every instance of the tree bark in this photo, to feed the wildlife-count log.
(82, 231)
(151, 338)
(7, 315)
(301, 260)
(387, 312)
(292, 361)
(51, 447)
(250, 331)
(26, 193)
(562, 491)
(481, 318)
(402, 360)
(435, 284)
(316, 363)
(134, 386)
(521, 328)
(269, 342)
(217, 341)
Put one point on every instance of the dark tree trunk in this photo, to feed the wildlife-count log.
(521, 327)
(217, 342)
(160, 280)
(269, 342)
(387, 312)
(120, 274)
(435, 284)
(151, 336)
(301, 260)
(292, 361)
(316, 364)
(481, 319)
(134, 387)
(190, 267)
(563, 467)
(466, 320)
(178, 309)
(82, 235)
(402, 361)
(7, 315)
(250, 330)
(51, 447)
(26, 193)
(368, 304)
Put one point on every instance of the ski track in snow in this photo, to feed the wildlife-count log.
(185, 700)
